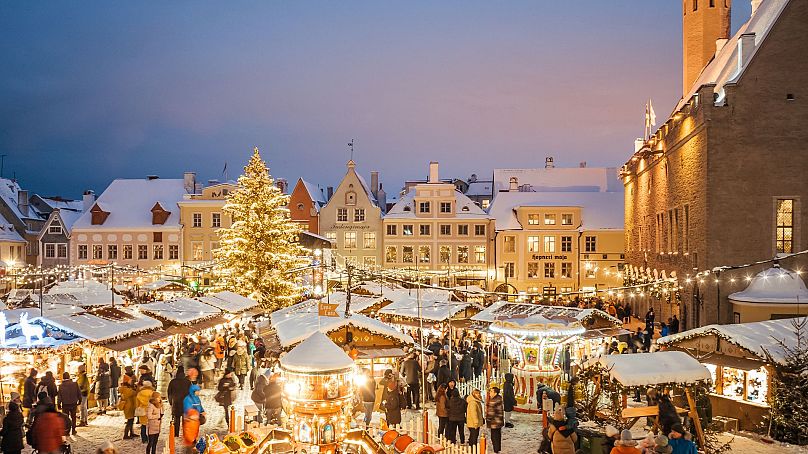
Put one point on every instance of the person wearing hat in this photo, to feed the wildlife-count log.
(661, 445)
(107, 448)
(146, 375)
(69, 398)
(680, 440)
(227, 392)
(29, 394)
(626, 444)
(474, 415)
(12, 432)
(561, 444)
(154, 416)
(495, 417)
(142, 400)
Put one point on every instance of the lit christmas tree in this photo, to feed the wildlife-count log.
(259, 249)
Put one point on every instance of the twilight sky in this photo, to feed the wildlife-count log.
(93, 91)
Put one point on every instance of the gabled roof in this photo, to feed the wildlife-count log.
(67, 218)
(480, 188)
(465, 208)
(365, 188)
(130, 201)
(8, 193)
(599, 210)
(315, 192)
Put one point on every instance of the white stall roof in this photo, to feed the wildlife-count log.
(431, 309)
(316, 354)
(292, 328)
(645, 369)
(102, 325)
(506, 309)
(181, 310)
(230, 302)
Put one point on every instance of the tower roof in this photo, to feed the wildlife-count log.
(316, 354)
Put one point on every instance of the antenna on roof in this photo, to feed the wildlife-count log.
(350, 145)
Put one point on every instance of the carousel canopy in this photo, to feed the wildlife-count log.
(181, 310)
(507, 310)
(229, 302)
(538, 326)
(295, 327)
(645, 369)
(316, 354)
(773, 286)
(755, 337)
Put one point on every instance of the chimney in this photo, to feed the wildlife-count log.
(514, 184)
(719, 44)
(582, 164)
(374, 183)
(22, 201)
(755, 5)
(189, 182)
(638, 144)
(329, 192)
(746, 46)
(433, 172)
(548, 162)
(282, 184)
(87, 200)
(151, 177)
(381, 198)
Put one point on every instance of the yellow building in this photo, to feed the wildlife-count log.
(557, 242)
(201, 217)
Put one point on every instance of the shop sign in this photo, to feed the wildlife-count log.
(549, 257)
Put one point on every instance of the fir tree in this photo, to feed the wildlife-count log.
(261, 247)
(789, 406)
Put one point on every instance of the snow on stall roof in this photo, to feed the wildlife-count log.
(293, 327)
(230, 301)
(180, 310)
(161, 284)
(645, 369)
(83, 292)
(755, 337)
(560, 179)
(129, 202)
(103, 325)
(431, 309)
(13, 315)
(465, 208)
(774, 285)
(599, 210)
(506, 309)
(316, 354)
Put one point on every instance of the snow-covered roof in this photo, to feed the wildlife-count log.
(774, 285)
(315, 192)
(755, 337)
(506, 309)
(82, 292)
(316, 354)
(294, 326)
(464, 207)
(599, 210)
(9, 190)
(62, 204)
(437, 310)
(68, 218)
(560, 179)
(230, 302)
(7, 232)
(724, 69)
(180, 310)
(130, 201)
(480, 188)
(645, 369)
(161, 284)
(358, 302)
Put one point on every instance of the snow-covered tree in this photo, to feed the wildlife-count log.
(789, 388)
(261, 247)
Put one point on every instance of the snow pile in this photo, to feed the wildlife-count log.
(182, 310)
(316, 354)
(644, 369)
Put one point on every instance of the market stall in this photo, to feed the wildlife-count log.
(736, 356)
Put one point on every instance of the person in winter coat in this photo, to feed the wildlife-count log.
(625, 445)
(12, 433)
(680, 440)
(392, 401)
(207, 365)
(48, 431)
(101, 388)
(191, 417)
(274, 400)
(552, 394)
(142, 400)
(257, 396)
(227, 392)
(177, 390)
(145, 374)
(128, 396)
(457, 417)
(474, 415)
(466, 367)
(381, 387)
(48, 385)
(69, 398)
(29, 394)
(560, 443)
(167, 372)
(367, 391)
(444, 374)
(114, 380)
(508, 399)
(154, 416)
(192, 402)
(442, 410)
(495, 417)
(661, 445)
(241, 363)
(667, 414)
(84, 387)
(412, 375)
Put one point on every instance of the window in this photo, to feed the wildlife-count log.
(196, 250)
(479, 254)
(173, 252)
(157, 237)
(510, 269)
(216, 220)
(127, 252)
(445, 254)
(509, 243)
(785, 226)
(686, 230)
(406, 254)
(197, 220)
(350, 240)
(142, 252)
(331, 236)
(98, 252)
(423, 254)
(549, 270)
(342, 215)
(359, 215)
(463, 229)
(566, 270)
(157, 252)
(479, 230)
(532, 219)
(549, 219)
(566, 219)
(214, 245)
(424, 229)
(112, 252)
(590, 272)
(486, 203)
(591, 244)
(392, 230)
(566, 244)
(350, 260)
(423, 207)
(369, 261)
(406, 230)
(445, 229)
(55, 229)
(462, 254)
(446, 207)
(549, 244)
(369, 240)
(695, 5)
(50, 251)
(532, 270)
(82, 251)
(533, 244)
(390, 254)
(61, 251)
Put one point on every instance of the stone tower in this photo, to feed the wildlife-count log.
(705, 27)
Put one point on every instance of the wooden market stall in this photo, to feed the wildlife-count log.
(736, 357)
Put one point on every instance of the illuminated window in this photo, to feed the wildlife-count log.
(369, 240)
(406, 254)
(549, 270)
(424, 254)
(445, 254)
(369, 262)
(390, 254)
(785, 225)
(549, 219)
(509, 242)
(510, 269)
(142, 252)
(350, 240)
(486, 203)
(566, 270)
(98, 252)
(462, 254)
(196, 250)
(532, 270)
(331, 236)
(533, 244)
(157, 252)
(533, 219)
(479, 254)
(549, 244)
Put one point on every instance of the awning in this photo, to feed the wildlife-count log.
(198, 326)
(138, 341)
(370, 353)
(604, 332)
(734, 362)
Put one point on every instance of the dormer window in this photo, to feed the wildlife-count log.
(350, 198)
(159, 214)
(465, 208)
(99, 216)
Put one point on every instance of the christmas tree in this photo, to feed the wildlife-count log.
(788, 421)
(261, 247)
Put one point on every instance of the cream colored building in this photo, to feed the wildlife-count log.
(441, 229)
(352, 221)
(201, 216)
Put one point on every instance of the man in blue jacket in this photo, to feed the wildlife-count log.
(679, 440)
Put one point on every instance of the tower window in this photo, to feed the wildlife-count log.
(695, 5)
(712, 3)
(789, 96)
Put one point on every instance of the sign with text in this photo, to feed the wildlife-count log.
(327, 310)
